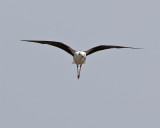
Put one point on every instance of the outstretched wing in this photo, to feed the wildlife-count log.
(103, 47)
(56, 44)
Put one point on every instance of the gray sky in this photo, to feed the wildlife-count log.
(117, 88)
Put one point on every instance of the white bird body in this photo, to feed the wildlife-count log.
(79, 57)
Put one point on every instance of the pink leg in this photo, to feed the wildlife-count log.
(79, 71)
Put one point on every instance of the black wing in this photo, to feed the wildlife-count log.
(102, 47)
(56, 44)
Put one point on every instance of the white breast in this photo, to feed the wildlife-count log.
(79, 57)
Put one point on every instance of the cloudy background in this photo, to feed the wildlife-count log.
(117, 88)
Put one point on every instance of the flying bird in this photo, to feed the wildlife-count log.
(79, 57)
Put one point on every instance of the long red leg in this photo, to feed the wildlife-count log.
(77, 68)
(79, 71)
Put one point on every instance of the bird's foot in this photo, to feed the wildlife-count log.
(78, 76)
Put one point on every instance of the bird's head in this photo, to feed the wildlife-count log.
(81, 53)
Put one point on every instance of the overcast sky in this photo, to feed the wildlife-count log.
(118, 88)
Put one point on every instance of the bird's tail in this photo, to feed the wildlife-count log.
(75, 62)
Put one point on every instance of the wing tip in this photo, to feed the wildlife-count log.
(26, 40)
(135, 48)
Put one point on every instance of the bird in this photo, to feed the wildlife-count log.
(79, 57)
